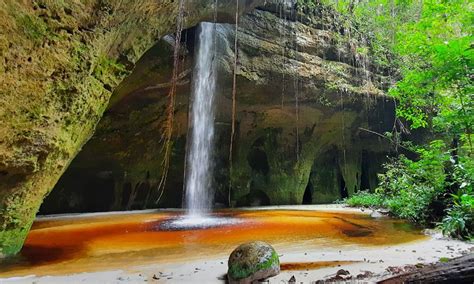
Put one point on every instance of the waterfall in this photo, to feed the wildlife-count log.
(198, 198)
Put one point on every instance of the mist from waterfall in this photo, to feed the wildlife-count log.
(199, 196)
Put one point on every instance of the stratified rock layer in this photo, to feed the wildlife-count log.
(308, 104)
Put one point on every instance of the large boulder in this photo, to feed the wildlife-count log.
(252, 261)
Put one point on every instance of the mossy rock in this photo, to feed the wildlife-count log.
(252, 261)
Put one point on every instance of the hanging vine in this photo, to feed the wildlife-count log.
(170, 108)
(234, 93)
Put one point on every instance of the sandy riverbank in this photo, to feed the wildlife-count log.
(212, 269)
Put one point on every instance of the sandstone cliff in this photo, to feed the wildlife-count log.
(307, 89)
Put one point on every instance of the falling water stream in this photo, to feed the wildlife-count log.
(199, 195)
(198, 199)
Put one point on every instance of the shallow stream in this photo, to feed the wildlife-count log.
(73, 244)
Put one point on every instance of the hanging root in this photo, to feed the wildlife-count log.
(234, 92)
(168, 126)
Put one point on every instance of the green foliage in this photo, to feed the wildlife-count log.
(436, 91)
(365, 199)
(431, 44)
(444, 259)
(308, 4)
(459, 219)
(437, 67)
(410, 187)
(377, 22)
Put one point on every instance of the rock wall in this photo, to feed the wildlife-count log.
(315, 93)
(61, 61)
(306, 93)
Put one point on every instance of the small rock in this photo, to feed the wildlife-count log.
(292, 279)
(365, 274)
(419, 265)
(342, 272)
(341, 277)
(376, 214)
(394, 269)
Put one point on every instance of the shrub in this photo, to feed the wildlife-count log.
(365, 199)
(410, 188)
(458, 222)
(415, 190)
(459, 219)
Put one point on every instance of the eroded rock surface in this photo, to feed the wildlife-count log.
(308, 95)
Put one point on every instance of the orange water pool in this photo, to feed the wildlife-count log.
(120, 241)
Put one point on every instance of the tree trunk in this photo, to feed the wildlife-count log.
(457, 270)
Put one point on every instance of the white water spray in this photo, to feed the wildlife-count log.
(199, 196)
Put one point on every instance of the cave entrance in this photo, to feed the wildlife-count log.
(308, 193)
(342, 187)
(258, 161)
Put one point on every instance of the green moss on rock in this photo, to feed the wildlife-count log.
(252, 261)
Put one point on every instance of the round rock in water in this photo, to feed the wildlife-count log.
(252, 261)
